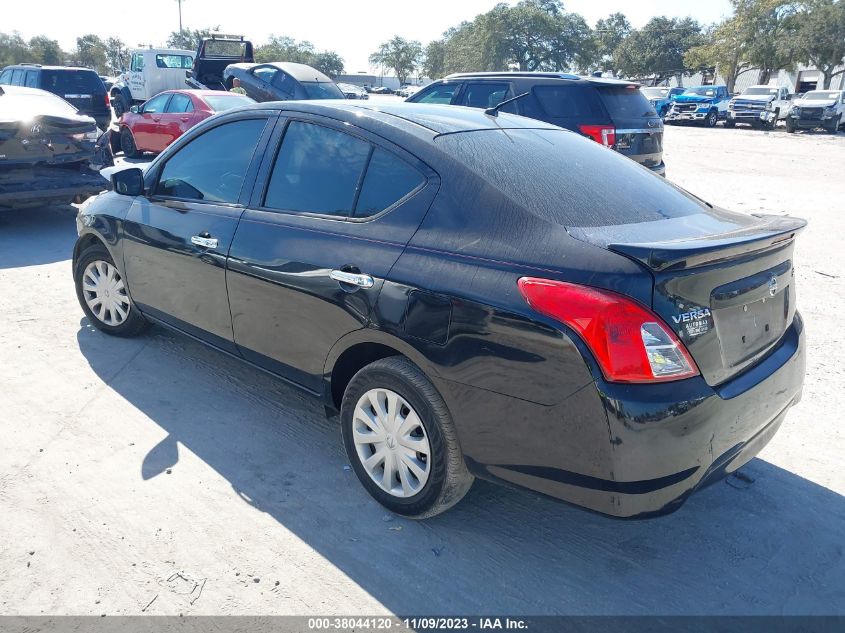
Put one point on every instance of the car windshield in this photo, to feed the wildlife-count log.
(223, 101)
(703, 91)
(655, 93)
(821, 95)
(68, 81)
(322, 90)
(760, 91)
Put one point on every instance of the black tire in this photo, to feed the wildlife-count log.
(832, 128)
(789, 127)
(134, 324)
(712, 118)
(663, 112)
(127, 144)
(119, 105)
(774, 122)
(729, 123)
(449, 480)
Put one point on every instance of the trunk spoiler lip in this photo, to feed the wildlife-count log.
(771, 232)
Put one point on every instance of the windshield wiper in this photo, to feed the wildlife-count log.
(494, 111)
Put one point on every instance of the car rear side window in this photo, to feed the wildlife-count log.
(17, 77)
(31, 79)
(438, 94)
(625, 103)
(212, 167)
(484, 95)
(387, 181)
(569, 102)
(180, 103)
(317, 170)
(174, 61)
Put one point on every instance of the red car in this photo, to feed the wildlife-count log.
(153, 126)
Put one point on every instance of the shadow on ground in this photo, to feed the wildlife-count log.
(31, 237)
(774, 546)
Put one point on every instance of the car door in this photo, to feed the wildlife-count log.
(283, 86)
(145, 127)
(177, 237)
(331, 212)
(175, 120)
(260, 83)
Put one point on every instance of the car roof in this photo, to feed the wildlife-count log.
(199, 92)
(436, 118)
(300, 72)
(43, 67)
(569, 77)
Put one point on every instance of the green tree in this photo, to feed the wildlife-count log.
(117, 55)
(434, 61)
(329, 63)
(399, 55)
(14, 49)
(725, 49)
(91, 52)
(608, 35)
(657, 50)
(189, 39)
(820, 36)
(768, 29)
(46, 51)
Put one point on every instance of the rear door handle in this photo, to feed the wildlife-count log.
(205, 242)
(355, 279)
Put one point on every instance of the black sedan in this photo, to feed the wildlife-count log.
(477, 295)
(282, 81)
(48, 150)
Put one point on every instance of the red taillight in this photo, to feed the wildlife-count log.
(108, 101)
(604, 134)
(629, 341)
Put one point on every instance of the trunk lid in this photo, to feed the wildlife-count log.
(724, 282)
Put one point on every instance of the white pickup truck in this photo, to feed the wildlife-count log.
(759, 106)
(151, 70)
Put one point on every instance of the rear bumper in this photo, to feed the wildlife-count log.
(48, 185)
(634, 451)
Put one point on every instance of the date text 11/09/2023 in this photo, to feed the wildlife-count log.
(417, 624)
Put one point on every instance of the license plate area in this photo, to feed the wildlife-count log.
(752, 314)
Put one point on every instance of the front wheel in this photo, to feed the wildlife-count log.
(127, 144)
(789, 127)
(103, 295)
(401, 441)
(118, 104)
(712, 118)
(730, 123)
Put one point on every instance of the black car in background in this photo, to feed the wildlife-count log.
(282, 81)
(47, 149)
(477, 296)
(610, 111)
(80, 87)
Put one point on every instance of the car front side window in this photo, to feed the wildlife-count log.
(444, 93)
(212, 167)
(156, 104)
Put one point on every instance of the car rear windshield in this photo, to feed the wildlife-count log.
(222, 102)
(564, 178)
(625, 103)
(70, 81)
(322, 90)
(23, 106)
(224, 48)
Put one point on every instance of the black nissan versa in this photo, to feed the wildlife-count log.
(612, 112)
(468, 292)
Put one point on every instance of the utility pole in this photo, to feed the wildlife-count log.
(180, 15)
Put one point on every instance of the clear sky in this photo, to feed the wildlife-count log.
(352, 28)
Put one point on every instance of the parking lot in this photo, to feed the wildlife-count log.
(155, 475)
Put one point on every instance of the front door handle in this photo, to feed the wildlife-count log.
(205, 242)
(355, 279)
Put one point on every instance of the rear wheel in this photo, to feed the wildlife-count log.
(401, 441)
(712, 118)
(103, 295)
(127, 143)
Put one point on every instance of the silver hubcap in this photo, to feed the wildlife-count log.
(391, 442)
(105, 293)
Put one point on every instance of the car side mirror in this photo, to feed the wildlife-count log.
(128, 182)
(135, 109)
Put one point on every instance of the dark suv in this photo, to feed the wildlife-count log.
(612, 112)
(81, 87)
